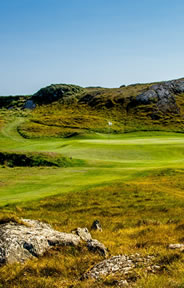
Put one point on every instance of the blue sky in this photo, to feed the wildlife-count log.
(89, 42)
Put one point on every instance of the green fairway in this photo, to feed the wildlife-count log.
(108, 158)
(132, 183)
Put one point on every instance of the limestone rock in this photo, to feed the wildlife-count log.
(20, 242)
(83, 233)
(121, 264)
(176, 246)
(123, 283)
(95, 246)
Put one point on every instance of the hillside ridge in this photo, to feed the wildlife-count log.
(63, 110)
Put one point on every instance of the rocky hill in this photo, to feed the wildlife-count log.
(152, 106)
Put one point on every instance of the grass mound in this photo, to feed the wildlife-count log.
(37, 159)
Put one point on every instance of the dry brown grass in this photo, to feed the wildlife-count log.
(143, 216)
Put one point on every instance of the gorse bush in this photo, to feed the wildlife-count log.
(37, 159)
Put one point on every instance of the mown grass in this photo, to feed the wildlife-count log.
(104, 158)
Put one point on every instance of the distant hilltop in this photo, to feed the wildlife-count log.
(159, 103)
(162, 96)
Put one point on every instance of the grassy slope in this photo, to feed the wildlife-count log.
(142, 216)
(64, 121)
(133, 183)
(91, 110)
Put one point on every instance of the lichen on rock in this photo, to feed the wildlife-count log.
(163, 95)
(32, 238)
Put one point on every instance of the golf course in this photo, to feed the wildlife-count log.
(106, 158)
(91, 144)
(62, 164)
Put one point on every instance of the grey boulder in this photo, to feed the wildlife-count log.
(29, 105)
(95, 246)
(163, 95)
(19, 242)
(83, 233)
(121, 264)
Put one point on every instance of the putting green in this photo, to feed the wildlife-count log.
(109, 158)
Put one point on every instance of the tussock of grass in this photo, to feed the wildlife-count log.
(10, 217)
(143, 216)
(1, 122)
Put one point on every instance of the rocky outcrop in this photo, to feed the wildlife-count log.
(83, 233)
(122, 264)
(176, 246)
(29, 105)
(63, 93)
(93, 245)
(163, 95)
(19, 242)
